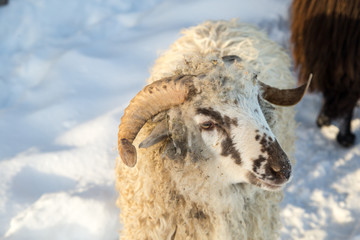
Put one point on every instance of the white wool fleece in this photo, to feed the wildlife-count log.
(162, 198)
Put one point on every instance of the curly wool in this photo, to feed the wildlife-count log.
(161, 198)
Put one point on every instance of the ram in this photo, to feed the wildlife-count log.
(213, 139)
(326, 42)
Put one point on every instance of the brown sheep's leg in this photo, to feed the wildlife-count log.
(345, 137)
(323, 119)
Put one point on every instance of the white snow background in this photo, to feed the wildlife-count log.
(67, 71)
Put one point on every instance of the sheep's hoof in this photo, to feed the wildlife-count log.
(323, 120)
(346, 140)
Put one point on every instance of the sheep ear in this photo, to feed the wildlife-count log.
(159, 133)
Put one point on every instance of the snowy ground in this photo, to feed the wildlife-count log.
(68, 69)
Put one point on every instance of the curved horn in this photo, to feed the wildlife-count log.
(284, 97)
(152, 99)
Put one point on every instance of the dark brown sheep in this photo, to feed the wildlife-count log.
(326, 42)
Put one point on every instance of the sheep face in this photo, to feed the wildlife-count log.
(236, 138)
(218, 117)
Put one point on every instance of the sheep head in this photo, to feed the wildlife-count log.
(223, 116)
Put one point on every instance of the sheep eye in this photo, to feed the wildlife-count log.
(209, 125)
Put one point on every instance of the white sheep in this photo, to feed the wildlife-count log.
(209, 139)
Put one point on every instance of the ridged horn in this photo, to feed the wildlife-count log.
(284, 97)
(156, 97)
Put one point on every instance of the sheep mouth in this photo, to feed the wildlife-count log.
(264, 184)
(271, 186)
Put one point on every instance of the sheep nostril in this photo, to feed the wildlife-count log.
(275, 168)
(280, 173)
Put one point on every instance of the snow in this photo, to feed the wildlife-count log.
(69, 68)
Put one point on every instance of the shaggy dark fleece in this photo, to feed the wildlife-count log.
(326, 42)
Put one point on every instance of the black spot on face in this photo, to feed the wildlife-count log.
(211, 113)
(230, 121)
(228, 148)
(258, 162)
(264, 143)
(224, 123)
